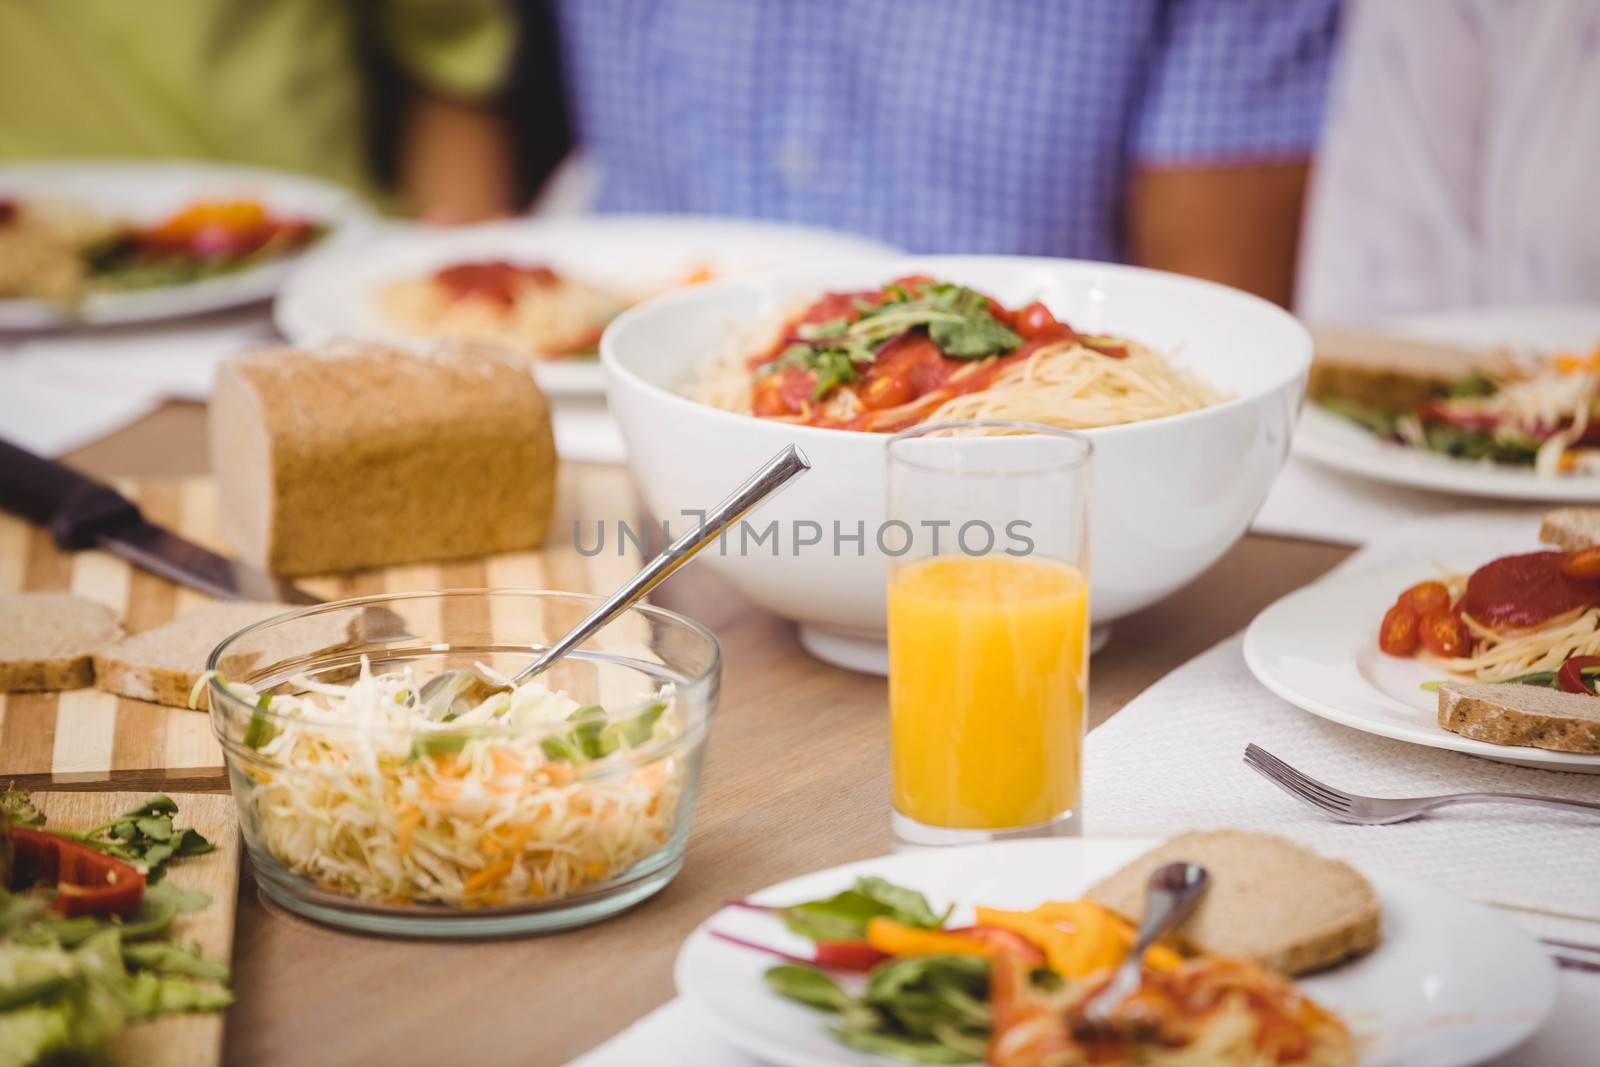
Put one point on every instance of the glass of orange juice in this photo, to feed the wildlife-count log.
(988, 629)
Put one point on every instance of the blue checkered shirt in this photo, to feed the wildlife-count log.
(936, 125)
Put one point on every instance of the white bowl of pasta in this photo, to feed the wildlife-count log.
(1188, 390)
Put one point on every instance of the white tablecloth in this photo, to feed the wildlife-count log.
(1170, 761)
(62, 390)
(1316, 503)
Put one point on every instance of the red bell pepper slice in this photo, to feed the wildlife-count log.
(849, 955)
(88, 882)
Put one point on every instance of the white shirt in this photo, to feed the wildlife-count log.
(1460, 165)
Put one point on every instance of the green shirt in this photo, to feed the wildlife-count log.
(276, 83)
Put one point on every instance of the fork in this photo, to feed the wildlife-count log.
(1372, 811)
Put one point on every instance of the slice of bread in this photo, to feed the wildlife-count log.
(1570, 529)
(1391, 373)
(162, 664)
(47, 640)
(1270, 901)
(1530, 716)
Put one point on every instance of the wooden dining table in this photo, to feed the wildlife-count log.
(796, 779)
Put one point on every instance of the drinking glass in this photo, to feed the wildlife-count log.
(988, 629)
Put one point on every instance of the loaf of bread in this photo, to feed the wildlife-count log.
(361, 455)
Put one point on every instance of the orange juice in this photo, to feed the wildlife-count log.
(987, 679)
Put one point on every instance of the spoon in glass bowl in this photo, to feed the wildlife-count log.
(443, 691)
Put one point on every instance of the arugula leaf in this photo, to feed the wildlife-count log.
(907, 906)
(1465, 443)
(926, 1009)
(1476, 385)
(807, 985)
(1382, 423)
(977, 334)
(844, 916)
(956, 318)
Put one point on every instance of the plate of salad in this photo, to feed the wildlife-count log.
(116, 922)
(989, 954)
(102, 242)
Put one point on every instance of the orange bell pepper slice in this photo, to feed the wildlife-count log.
(896, 939)
(1078, 937)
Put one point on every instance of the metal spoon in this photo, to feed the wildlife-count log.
(1171, 894)
(441, 693)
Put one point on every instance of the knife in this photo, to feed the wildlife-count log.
(80, 512)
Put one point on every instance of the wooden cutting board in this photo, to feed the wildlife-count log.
(180, 1040)
(87, 735)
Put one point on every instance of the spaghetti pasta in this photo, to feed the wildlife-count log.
(921, 350)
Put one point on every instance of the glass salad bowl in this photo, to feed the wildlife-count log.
(556, 804)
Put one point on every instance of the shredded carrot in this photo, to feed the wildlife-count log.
(487, 876)
(507, 764)
(407, 819)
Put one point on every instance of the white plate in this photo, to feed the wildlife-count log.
(149, 192)
(636, 255)
(1451, 983)
(1317, 648)
(1340, 444)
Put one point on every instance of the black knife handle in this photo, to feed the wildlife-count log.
(73, 507)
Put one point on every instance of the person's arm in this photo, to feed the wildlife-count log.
(455, 161)
(1230, 115)
(454, 152)
(1235, 225)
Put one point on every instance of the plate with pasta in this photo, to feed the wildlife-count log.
(542, 289)
(1500, 607)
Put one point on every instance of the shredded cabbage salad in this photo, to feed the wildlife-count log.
(528, 796)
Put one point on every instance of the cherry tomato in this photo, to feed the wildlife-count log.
(1425, 597)
(1570, 676)
(1583, 565)
(1443, 633)
(1035, 319)
(1398, 635)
